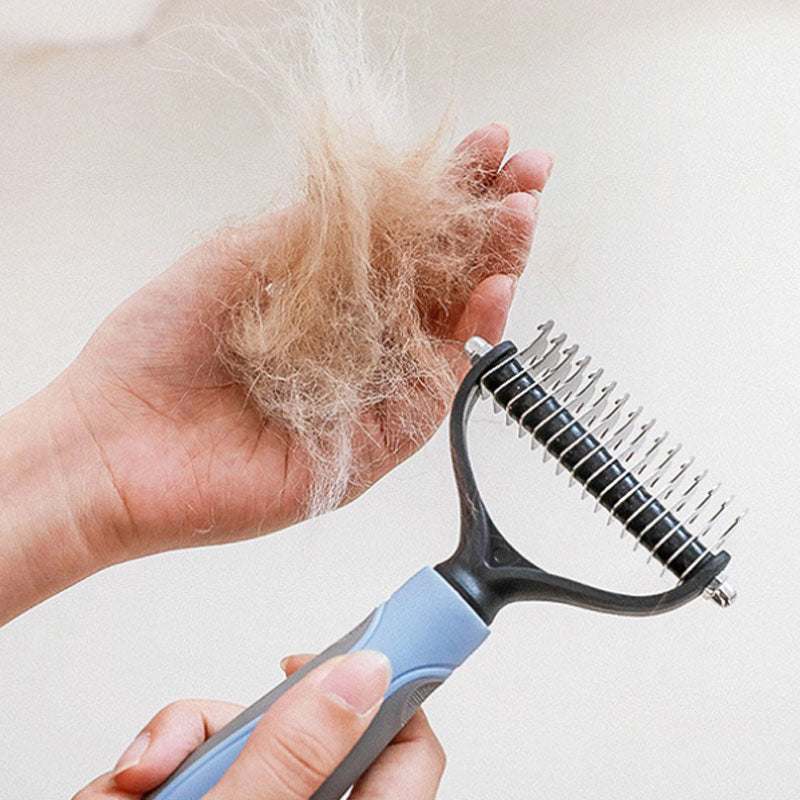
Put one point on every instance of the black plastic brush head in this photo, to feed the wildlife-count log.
(550, 395)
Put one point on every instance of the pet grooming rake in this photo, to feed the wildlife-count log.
(435, 620)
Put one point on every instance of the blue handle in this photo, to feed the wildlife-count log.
(425, 628)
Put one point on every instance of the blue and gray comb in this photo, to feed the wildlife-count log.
(437, 618)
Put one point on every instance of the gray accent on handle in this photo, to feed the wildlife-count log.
(392, 716)
(344, 645)
(425, 628)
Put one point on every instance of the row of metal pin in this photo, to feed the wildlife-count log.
(566, 379)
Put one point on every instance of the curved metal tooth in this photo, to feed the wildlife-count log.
(638, 468)
(543, 383)
(659, 471)
(689, 522)
(547, 382)
(533, 370)
(561, 395)
(701, 533)
(589, 417)
(575, 406)
(638, 441)
(672, 486)
(598, 430)
(534, 349)
(539, 344)
(633, 447)
(550, 358)
(556, 395)
(624, 430)
(536, 405)
(574, 381)
(601, 432)
(674, 510)
(591, 421)
(646, 483)
(555, 376)
(584, 397)
(725, 534)
(612, 444)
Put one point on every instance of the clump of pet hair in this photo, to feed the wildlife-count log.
(337, 334)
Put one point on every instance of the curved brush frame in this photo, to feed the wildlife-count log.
(485, 569)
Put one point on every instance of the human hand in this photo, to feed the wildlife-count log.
(190, 462)
(295, 746)
(144, 443)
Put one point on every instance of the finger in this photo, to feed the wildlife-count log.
(509, 242)
(176, 731)
(485, 315)
(215, 263)
(104, 788)
(410, 767)
(507, 248)
(307, 732)
(292, 663)
(524, 172)
(480, 154)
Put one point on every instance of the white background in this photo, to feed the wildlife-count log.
(668, 247)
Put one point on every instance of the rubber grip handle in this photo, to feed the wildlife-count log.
(425, 628)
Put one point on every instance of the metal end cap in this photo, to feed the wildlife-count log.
(721, 591)
(475, 347)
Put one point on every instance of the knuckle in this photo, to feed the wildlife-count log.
(437, 753)
(176, 707)
(175, 711)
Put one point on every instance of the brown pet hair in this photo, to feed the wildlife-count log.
(344, 317)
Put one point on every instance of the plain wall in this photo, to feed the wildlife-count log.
(667, 247)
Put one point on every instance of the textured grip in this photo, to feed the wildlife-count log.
(426, 629)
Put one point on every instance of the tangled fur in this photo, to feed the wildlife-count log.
(344, 317)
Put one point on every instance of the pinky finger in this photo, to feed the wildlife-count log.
(167, 739)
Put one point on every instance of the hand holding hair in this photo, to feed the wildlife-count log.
(146, 442)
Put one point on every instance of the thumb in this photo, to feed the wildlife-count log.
(308, 731)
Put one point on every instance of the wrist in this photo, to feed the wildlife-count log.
(52, 501)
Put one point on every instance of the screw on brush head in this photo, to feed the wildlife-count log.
(550, 395)
(475, 347)
(721, 590)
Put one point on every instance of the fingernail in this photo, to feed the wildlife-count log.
(552, 157)
(133, 754)
(503, 125)
(359, 681)
(285, 663)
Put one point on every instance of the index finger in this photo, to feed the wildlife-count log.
(175, 732)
